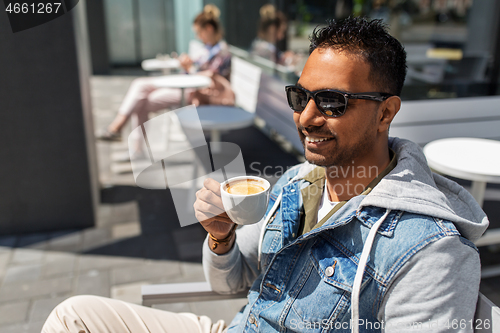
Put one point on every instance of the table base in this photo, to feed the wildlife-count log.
(478, 189)
(215, 140)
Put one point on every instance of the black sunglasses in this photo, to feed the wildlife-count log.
(331, 103)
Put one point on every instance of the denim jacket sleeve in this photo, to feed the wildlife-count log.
(237, 269)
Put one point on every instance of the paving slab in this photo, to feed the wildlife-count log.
(130, 292)
(22, 273)
(126, 230)
(59, 263)
(40, 288)
(189, 251)
(149, 270)
(192, 271)
(188, 241)
(124, 212)
(42, 307)
(93, 282)
(12, 312)
(89, 262)
(24, 256)
(5, 249)
(159, 245)
(93, 238)
(64, 241)
(4, 261)
(34, 327)
(104, 212)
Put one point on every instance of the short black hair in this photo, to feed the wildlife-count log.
(369, 40)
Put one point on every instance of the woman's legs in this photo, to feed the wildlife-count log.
(141, 98)
(134, 101)
(157, 100)
(84, 314)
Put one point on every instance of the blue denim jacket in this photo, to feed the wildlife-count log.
(306, 282)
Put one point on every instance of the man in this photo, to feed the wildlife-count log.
(369, 233)
(362, 233)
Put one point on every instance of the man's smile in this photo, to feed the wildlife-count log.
(316, 142)
(312, 139)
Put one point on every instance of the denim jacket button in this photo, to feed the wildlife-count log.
(251, 319)
(329, 271)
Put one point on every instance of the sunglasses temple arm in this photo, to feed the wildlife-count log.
(369, 97)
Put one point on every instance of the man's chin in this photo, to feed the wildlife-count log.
(316, 159)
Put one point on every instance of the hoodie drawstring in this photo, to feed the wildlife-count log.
(356, 288)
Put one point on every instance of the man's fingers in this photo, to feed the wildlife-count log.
(208, 204)
(212, 185)
(207, 219)
(207, 208)
(209, 197)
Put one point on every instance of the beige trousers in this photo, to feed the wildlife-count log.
(84, 314)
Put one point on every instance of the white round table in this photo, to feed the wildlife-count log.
(477, 160)
(219, 117)
(165, 65)
(182, 81)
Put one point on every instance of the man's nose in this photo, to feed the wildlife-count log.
(311, 116)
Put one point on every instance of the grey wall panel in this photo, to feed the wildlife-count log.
(120, 27)
(153, 30)
(46, 181)
(97, 36)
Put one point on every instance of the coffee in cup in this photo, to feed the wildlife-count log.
(245, 187)
(245, 198)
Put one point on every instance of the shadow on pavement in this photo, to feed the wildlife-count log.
(161, 235)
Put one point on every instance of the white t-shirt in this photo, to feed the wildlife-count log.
(325, 206)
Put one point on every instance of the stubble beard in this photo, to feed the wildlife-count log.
(339, 157)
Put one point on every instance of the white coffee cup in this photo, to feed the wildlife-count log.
(245, 208)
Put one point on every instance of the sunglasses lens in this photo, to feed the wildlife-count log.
(332, 103)
(297, 99)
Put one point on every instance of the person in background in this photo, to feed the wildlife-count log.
(143, 97)
(272, 28)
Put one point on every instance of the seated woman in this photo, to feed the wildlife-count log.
(272, 29)
(143, 97)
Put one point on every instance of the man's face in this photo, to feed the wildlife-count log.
(351, 138)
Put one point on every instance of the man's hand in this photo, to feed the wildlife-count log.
(210, 212)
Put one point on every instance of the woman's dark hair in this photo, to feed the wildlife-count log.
(209, 16)
(370, 41)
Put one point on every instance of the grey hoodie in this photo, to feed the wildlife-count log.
(428, 288)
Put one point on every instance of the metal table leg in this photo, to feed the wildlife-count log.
(478, 189)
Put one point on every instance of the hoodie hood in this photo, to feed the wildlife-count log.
(412, 187)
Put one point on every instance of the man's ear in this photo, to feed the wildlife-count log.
(389, 108)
